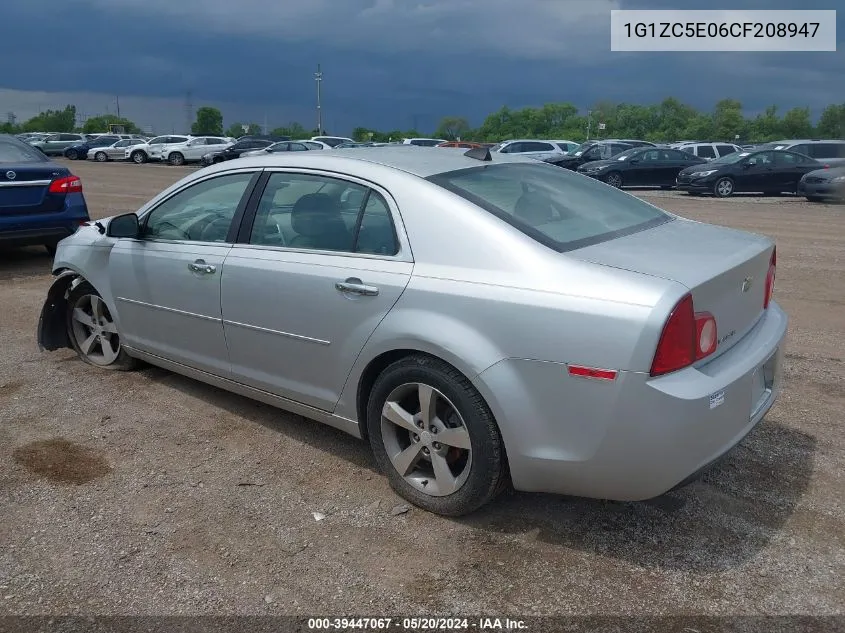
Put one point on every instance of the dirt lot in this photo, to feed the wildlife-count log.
(150, 493)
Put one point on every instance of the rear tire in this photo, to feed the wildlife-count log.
(93, 332)
(138, 157)
(456, 431)
(72, 154)
(723, 188)
(176, 159)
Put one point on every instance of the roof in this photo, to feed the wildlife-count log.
(420, 161)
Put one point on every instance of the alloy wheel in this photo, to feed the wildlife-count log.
(94, 330)
(426, 439)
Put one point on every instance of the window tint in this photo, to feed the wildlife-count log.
(200, 213)
(375, 233)
(176, 139)
(12, 152)
(675, 155)
(800, 149)
(70, 137)
(724, 150)
(787, 158)
(314, 145)
(554, 206)
(706, 151)
(534, 146)
(762, 158)
(310, 212)
(594, 153)
(158, 139)
(825, 150)
(297, 147)
(513, 148)
(650, 157)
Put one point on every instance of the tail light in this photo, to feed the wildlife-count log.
(770, 279)
(68, 184)
(687, 337)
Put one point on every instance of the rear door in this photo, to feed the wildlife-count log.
(316, 269)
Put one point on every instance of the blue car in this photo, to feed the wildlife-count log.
(40, 202)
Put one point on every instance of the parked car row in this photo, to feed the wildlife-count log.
(722, 169)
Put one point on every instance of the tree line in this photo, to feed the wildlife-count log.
(667, 121)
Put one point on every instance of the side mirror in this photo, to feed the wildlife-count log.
(746, 165)
(634, 161)
(126, 225)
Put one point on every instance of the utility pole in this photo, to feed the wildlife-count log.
(117, 102)
(318, 77)
(589, 123)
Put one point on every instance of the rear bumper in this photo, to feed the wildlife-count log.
(43, 228)
(636, 437)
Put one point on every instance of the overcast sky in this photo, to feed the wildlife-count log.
(386, 63)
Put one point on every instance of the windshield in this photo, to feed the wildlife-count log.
(583, 147)
(19, 152)
(729, 159)
(555, 206)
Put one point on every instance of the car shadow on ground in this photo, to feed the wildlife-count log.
(32, 261)
(716, 523)
(320, 436)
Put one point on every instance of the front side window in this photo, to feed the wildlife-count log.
(762, 158)
(706, 151)
(554, 206)
(321, 213)
(724, 150)
(201, 213)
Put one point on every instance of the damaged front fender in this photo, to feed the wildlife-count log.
(52, 324)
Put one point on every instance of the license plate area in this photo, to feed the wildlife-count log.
(762, 382)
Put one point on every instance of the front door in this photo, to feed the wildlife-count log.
(166, 284)
(757, 173)
(319, 269)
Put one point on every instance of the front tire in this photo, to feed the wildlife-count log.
(614, 179)
(101, 157)
(434, 437)
(138, 157)
(93, 332)
(723, 188)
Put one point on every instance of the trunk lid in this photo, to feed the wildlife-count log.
(24, 188)
(724, 269)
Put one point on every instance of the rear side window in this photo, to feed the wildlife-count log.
(534, 146)
(706, 151)
(826, 150)
(554, 206)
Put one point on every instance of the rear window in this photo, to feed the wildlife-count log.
(555, 206)
(12, 152)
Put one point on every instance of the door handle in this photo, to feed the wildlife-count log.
(353, 285)
(199, 266)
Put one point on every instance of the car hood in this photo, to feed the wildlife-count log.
(701, 167)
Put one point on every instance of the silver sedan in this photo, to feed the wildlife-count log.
(116, 151)
(478, 320)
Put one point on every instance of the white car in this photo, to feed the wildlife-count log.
(423, 142)
(530, 148)
(332, 140)
(193, 149)
(151, 150)
(709, 151)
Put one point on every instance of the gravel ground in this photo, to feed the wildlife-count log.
(148, 493)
